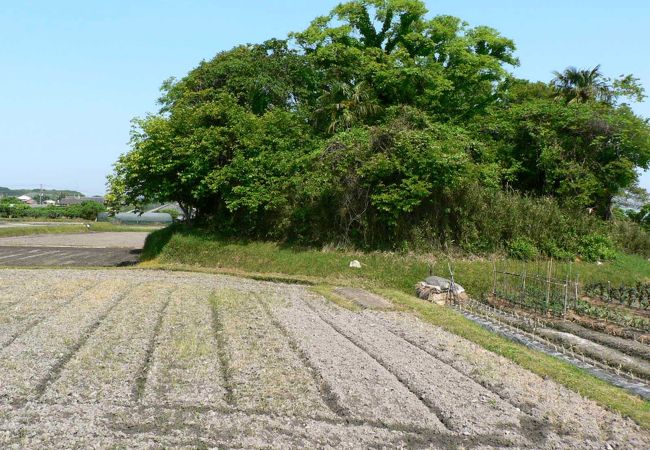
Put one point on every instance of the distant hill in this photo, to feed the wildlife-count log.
(53, 194)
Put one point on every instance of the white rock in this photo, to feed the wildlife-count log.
(355, 264)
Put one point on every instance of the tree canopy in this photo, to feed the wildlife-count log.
(376, 119)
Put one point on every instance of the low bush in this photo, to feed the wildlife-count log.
(522, 248)
(13, 208)
(630, 237)
(469, 220)
(596, 247)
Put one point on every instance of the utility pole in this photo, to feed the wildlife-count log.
(41, 199)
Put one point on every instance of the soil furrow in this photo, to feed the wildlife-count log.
(143, 372)
(185, 367)
(30, 312)
(55, 371)
(222, 350)
(106, 368)
(330, 399)
(571, 418)
(87, 426)
(628, 346)
(432, 406)
(265, 373)
(33, 358)
(388, 326)
(436, 384)
(364, 388)
(298, 371)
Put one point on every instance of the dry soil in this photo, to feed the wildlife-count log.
(144, 359)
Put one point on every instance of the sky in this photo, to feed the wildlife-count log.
(75, 72)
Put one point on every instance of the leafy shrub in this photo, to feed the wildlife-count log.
(522, 248)
(595, 247)
(556, 252)
(87, 210)
(483, 219)
(630, 237)
(14, 208)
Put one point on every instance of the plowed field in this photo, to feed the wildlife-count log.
(138, 359)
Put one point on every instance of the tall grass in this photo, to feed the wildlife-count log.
(471, 219)
(481, 221)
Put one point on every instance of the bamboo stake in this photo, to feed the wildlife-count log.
(494, 272)
(575, 300)
(566, 296)
(548, 285)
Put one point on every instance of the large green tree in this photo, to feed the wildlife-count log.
(584, 153)
(379, 120)
(439, 64)
(589, 85)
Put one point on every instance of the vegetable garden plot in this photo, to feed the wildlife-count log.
(549, 296)
(637, 296)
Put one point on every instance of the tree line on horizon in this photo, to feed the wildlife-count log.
(381, 127)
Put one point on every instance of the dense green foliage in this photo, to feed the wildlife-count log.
(380, 127)
(642, 216)
(14, 208)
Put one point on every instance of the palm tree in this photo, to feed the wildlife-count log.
(581, 85)
(344, 105)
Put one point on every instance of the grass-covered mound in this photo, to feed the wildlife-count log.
(192, 247)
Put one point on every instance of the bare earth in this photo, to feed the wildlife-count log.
(143, 359)
(72, 249)
(124, 239)
(20, 224)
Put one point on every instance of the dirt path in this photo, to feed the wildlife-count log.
(72, 249)
(122, 239)
(140, 359)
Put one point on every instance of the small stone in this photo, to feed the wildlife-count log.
(355, 264)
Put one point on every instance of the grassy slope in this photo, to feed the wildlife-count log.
(387, 270)
(394, 276)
